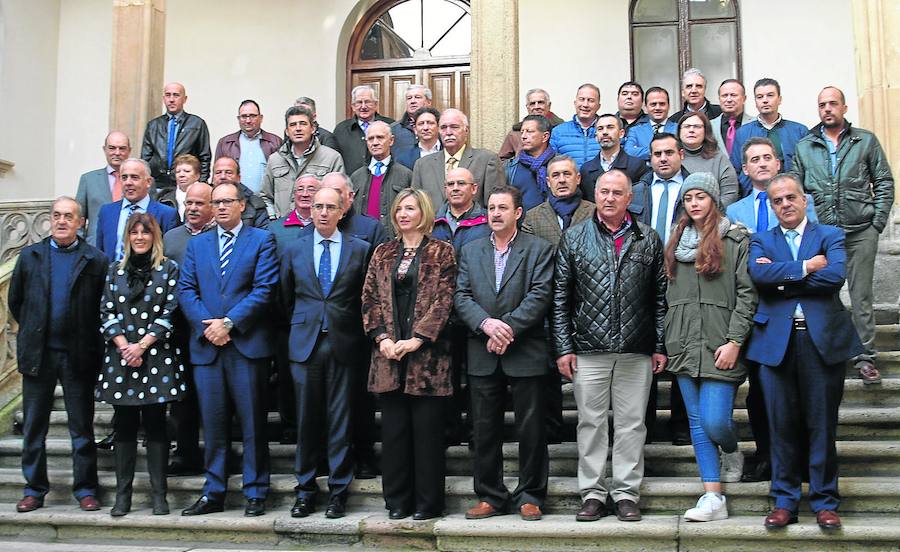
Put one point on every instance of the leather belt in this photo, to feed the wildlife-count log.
(799, 324)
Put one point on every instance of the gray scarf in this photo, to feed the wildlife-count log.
(686, 250)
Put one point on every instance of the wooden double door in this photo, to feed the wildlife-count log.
(449, 87)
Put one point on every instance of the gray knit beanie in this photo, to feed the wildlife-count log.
(705, 182)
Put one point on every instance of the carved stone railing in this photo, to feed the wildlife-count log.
(9, 376)
(22, 223)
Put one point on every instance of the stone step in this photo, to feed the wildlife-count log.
(857, 458)
(370, 529)
(658, 494)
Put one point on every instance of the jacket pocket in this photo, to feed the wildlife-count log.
(761, 319)
(280, 171)
(298, 318)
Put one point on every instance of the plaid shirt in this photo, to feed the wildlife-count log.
(500, 259)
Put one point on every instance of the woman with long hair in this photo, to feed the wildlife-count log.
(141, 371)
(711, 304)
(406, 302)
(702, 154)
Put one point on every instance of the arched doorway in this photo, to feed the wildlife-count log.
(403, 42)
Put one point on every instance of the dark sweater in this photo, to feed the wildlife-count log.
(62, 262)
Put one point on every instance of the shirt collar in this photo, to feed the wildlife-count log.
(508, 246)
(236, 230)
(458, 155)
(433, 149)
(800, 229)
(143, 203)
(335, 238)
(69, 247)
(385, 162)
(110, 169)
(767, 126)
(677, 178)
(689, 109)
(254, 137)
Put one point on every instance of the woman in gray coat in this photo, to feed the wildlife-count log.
(711, 302)
(702, 154)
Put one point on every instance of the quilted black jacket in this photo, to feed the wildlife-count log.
(604, 303)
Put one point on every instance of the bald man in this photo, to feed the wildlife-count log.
(101, 186)
(172, 134)
(375, 185)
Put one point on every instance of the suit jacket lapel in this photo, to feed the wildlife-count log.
(342, 262)
(781, 246)
(513, 260)
(240, 250)
(808, 243)
(487, 264)
(308, 262)
(212, 238)
(551, 220)
(466, 159)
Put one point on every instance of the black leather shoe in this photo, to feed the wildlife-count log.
(761, 471)
(681, 438)
(366, 469)
(336, 509)
(255, 507)
(303, 507)
(108, 442)
(422, 516)
(179, 468)
(202, 507)
(398, 514)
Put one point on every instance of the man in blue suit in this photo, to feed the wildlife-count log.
(226, 293)
(322, 275)
(802, 338)
(101, 186)
(136, 184)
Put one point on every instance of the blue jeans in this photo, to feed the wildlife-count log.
(709, 404)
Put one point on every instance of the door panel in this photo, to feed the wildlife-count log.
(449, 86)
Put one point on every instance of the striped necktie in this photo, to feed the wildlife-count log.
(662, 212)
(227, 249)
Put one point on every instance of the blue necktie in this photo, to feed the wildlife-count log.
(662, 225)
(791, 237)
(120, 249)
(762, 213)
(364, 125)
(325, 268)
(227, 249)
(173, 132)
(379, 168)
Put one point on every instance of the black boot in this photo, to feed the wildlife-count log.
(125, 454)
(157, 460)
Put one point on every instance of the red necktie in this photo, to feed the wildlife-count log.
(117, 187)
(729, 135)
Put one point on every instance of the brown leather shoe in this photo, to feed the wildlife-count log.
(828, 520)
(868, 373)
(592, 510)
(780, 518)
(530, 512)
(89, 504)
(627, 510)
(483, 510)
(29, 504)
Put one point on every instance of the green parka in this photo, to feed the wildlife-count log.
(705, 314)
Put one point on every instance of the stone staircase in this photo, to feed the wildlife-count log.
(868, 446)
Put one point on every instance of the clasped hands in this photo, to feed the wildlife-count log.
(397, 350)
(216, 332)
(500, 335)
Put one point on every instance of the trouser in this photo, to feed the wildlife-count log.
(756, 411)
(322, 388)
(37, 402)
(488, 400)
(861, 247)
(412, 461)
(186, 416)
(678, 419)
(802, 397)
(287, 402)
(243, 380)
(457, 429)
(362, 419)
(620, 381)
(131, 417)
(709, 405)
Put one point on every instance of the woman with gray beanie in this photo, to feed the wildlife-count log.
(711, 304)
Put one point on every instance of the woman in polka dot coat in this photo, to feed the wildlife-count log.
(141, 371)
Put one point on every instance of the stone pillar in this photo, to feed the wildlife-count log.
(494, 103)
(138, 57)
(875, 24)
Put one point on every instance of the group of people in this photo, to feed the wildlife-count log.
(392, 260)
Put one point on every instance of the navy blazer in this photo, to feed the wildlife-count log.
(592, 170)
(302, 298)
(108, 223)
(407, 156)
(246, 294)
(781, 286)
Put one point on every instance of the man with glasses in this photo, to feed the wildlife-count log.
(537, 102)
(351, 133)
(251, 145)
(227, 170)
(226, 292)
(326, 344)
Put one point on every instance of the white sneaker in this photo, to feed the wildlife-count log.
(709, 508)
(732, 466)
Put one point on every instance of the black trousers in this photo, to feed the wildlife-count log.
(287, 402)
(37, 402)
(756, 411)
(322, 388)
(458, 429)
(362, 407)
(678, 422)
(412, 459)
(151, 416)
(185, 413)
(488, 401)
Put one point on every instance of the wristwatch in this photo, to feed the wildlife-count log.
(227, 323)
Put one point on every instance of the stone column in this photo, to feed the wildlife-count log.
(494, 103)
(875, 24)
(138, 57)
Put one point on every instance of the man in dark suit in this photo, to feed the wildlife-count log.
(136, 184)
(504, 290)
(226, 290)
(322, 277)
(485, 166)
(55, 297)
(350, 134)
(802, 338)
(172, 134)
(376, 184)
(610, 134)
(101, 186)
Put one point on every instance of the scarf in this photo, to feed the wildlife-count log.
(565, 207)
(138, 274)
(538, 165)
(686, 250)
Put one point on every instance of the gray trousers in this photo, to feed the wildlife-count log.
(862, 246)
(620, 381)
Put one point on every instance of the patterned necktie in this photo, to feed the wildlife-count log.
(117, 186)
(173, 132)
(791, 239)
(120, 250)
(364, 125)
(379, 168)
(729, 135)
(656, 128)
(451, 164)
(227, 249)
(762, 213)
(662, 212)
(325, 268)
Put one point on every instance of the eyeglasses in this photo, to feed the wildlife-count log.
(692, 127)
(307, 190)
(227, 202)
(364, 102)
(249, 116)
(327, 207)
